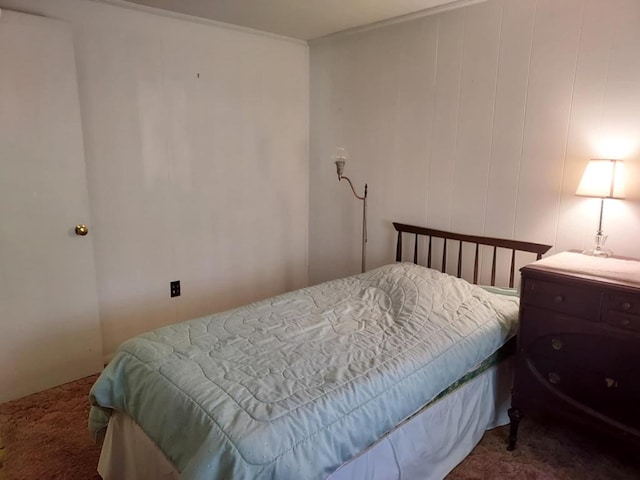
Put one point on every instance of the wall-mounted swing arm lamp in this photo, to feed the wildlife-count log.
(602, 178)
(340, 157)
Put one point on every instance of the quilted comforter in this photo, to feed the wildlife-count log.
(294, 386)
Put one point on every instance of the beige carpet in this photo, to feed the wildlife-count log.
(44, 436)
(547, 451)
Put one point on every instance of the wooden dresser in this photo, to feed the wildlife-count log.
(579, 343)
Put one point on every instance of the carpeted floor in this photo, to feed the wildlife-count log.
(44, 436)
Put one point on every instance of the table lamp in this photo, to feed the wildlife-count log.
(602, 178)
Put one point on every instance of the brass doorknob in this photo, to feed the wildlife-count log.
(81, 230)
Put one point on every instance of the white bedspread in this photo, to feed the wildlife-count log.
(294, 386)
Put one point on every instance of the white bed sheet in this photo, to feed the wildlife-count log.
(425, 447)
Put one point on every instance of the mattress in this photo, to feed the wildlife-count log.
(295, 386)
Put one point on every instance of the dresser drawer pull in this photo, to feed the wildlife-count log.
(558, 299)
(556, 344)
(625, 322)
(554, 378)
(626, 306)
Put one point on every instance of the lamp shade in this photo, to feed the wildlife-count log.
(602, 178)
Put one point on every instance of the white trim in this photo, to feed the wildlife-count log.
(402, 18)
(201, 20)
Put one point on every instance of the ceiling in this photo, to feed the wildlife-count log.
(302, 19)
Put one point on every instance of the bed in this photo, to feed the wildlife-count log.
(393, 373)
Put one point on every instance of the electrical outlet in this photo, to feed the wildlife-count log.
(175, 288)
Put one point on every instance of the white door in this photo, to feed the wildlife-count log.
(49, 326)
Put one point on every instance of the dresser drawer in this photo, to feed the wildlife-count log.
(577, 301)
(624, 321)
(624, 303)
(613, 357)
(613, 396)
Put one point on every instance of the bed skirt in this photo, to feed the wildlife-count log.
(427, 446)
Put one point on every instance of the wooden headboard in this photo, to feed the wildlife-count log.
(513, 245)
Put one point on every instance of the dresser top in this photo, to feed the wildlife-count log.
(617, 270)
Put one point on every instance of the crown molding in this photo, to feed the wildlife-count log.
(200, 20)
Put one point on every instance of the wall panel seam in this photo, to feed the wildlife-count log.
(524, 120)
(433, 118)
(605, 90)
(455, 137)
(566, 139)
(493, 118)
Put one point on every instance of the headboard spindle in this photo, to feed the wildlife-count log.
(513, 245)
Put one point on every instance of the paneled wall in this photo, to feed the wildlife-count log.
(196, 149)
(479, 120)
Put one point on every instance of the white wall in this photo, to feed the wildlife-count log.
(196, 151)
(478, 120)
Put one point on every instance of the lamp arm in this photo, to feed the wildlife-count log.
(364, 218)
(353, 189)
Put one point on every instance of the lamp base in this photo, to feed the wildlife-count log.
(599, 250)
(594, 252)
